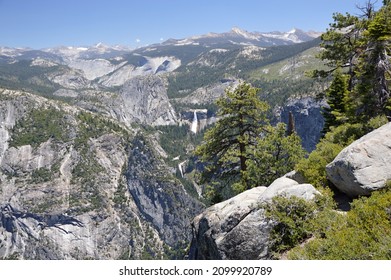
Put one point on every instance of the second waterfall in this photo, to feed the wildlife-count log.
(194, 124)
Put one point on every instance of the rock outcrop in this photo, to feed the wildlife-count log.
(238, 228)
(307, 117)
(365, 165)
(144, 100)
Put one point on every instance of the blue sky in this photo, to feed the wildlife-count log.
(50, 23)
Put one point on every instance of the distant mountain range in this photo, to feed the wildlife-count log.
(236, 36)
(242, 37)
(114, 65)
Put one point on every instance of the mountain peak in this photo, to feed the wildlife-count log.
(238, 30)
(243, 33)
(100, 45)
(293, 30)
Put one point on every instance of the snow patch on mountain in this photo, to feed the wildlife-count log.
(288, 36)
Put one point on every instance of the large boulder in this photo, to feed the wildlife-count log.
(238, 228)
(365, 165)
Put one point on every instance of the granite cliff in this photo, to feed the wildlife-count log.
(75, 185)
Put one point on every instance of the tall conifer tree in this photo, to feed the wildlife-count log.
(337, 97)
(359, 46)
(243, 145)
(226, 147)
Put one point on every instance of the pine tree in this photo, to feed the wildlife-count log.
(337, 97)
(360, 46)
(375, 64)
(243, 150)
(341, 45)
(274, 155)
(227, 145)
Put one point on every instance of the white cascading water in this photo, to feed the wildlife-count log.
(181, 168)
(194, 124)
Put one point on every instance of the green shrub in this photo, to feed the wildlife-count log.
(313, 168)
(315, 230)
(291, 217)
(94, 126)
(174, 139)
(294, 218)
(41, 175)
(377, 122)
(274, 155)
(362, 233)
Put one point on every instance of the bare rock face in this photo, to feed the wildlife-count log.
(365, 165)
(144, 99)
(145, 67)
(238, 228)
(92, 190)
(159, 197)
(307, 117)
(209, 94)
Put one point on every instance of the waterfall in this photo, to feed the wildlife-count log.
(181, 168)
(194, 124)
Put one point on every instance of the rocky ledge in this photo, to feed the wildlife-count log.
(238, 228)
